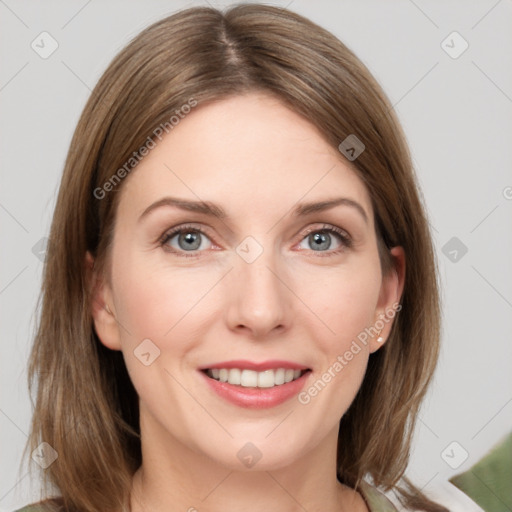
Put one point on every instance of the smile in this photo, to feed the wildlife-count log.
(254, 379)
(255, 385)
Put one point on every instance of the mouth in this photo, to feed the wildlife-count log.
(254, 379)
(255, 385)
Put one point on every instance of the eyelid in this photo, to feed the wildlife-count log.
(326, 227)
(172, 232)
(346, 238)
(192, 226)
(344, 235)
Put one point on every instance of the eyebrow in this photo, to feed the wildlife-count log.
(211, 209)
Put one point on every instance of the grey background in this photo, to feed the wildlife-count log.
(457, 116)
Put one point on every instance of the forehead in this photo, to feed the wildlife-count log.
(248, 153)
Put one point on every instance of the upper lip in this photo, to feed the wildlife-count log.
(252, 365)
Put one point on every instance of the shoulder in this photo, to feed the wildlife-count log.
(50, 505)
(32, 508)
(442, 491)
(375, 500)
(488, 481)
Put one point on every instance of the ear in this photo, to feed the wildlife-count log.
(388, 305)
(102, 307)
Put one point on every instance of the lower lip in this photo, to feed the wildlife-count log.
(257, 398)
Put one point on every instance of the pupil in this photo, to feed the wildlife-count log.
(321, 240)
(192, 240)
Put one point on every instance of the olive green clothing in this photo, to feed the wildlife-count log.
(375, 500)
(489, 481)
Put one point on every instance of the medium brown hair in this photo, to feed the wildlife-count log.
(86, 407)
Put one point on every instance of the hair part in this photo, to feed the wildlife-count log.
(86, 407)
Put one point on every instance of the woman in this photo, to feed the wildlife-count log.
(240, 303)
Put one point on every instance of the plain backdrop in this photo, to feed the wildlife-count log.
(455, 107)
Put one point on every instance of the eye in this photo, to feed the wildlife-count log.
(190, 239)
(323, 239)
(184, 239)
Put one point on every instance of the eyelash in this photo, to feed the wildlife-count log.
(327, 228)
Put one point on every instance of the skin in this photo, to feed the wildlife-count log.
(256, 159)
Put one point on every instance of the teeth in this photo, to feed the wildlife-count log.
(253, 379)
(248, 379)
(279, 376)
(234, 376)
(266, 379)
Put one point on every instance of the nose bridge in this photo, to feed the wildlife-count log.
(258, 301)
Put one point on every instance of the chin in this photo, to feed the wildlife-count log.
(255, 453)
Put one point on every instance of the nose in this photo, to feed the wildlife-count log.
(258, 301)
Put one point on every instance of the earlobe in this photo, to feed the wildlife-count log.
(389, 299)
(105, 323)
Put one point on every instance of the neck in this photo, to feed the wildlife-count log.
(174, 477)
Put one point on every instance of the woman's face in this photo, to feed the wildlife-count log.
(270, 288)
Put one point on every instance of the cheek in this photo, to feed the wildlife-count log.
(163, 305)
(346, 306)
(345, 302)
(153, 299)
(167, 305)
